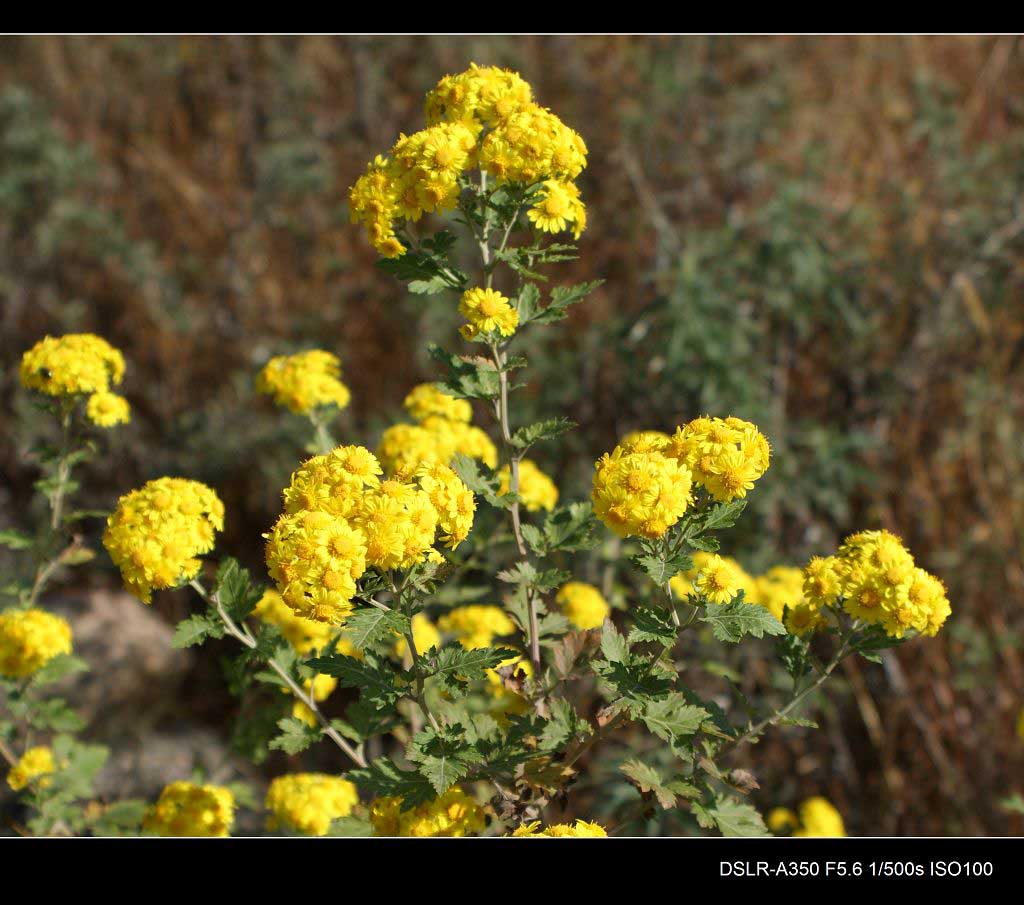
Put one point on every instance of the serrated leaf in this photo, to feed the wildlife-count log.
(613, 645)
(366, 627)
(734, 818)
(236, 590)
(724, 515)
(660, 567)
(453, 666)
(562, 297)
(651, 624)
(195, 630)
(382, 778)
(377, 681)
(467, 378)
(731, 621)
(672, 718)
(563, 727)
(529, 434)
(647, 779)
(296, 735)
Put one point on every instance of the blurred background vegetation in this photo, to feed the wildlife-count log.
(822, 235)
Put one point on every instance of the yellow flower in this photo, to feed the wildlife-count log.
(487, 311)
(106, 409)
(725, 455)
(536, 489)
(29, 639)
(70, 365)
(644, 441)
(719, 579)
(779, 587)
(579, 829)
(453, 814)
(582, 604)
(304, 381)
(187, 809)
(426, 400)
(781, 819)
(486, 95)
(156, 533)
(34, 765)
(640, 494)
(558, 207)
(532, 145)
(819, 818)
(476, 625)
(306, 803)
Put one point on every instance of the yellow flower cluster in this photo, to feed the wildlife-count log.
(721, 578)
(34, 763)
(725, 455)
(304, 635)
(156, 533)
(106, 409)
(29, 639)
(817, 818)
(487, 312)
(453, 814)
(558, 207)
(579, 829)
(78, 364)
(536, 489)
(304, 381)
(306, 803)
(340, 518)
(877, 581)
(187, 809)
(481, 117)
(443, 431)
(640, 494)
(582, 604)
(485, 95)
(476, 625)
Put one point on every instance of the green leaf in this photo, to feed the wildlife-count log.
(731, 621)
(613, 645)
(475, 378)
(453, 666)
(16, 540)
(734, 818)
(195, 630)
(562, 297)
(661, 566)
(444, 757)
(383, 778)
(486, 485)
(672, 718)
(724, 515)
(376, 679)
(296, 735)
(647, 779)
(56, 669)
(529, 434)
(236, 590)
(366, 627)
(651, 624)
(564, 726)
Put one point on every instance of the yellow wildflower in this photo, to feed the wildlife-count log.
(487, 311)
(34, 766)
(70, 365)
(582, 604)
(452, 814)
(188, 809)
(106, 409)
(29, 639)
(307, 803)
(536, 489)
(304, 381)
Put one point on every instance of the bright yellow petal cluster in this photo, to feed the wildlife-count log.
(71, 365)
(582, 604)
(29, 639)
(557, 207)
(640, 494)
(304, 381)
(719, 579)
(485, 95)
(644, 441)
(536, 489)
(725, 455)
(421, 175)
(487, 312)
(482, 117)
(780, 587)
(427, 400)
(106, 409)
(306, 803)
(34, 763)
(530, 146)
(579, 829)
(453, 814)
(187, 809)
(476, 625)
(443, 432)
(340, 518)
(817, 817)
(875, 579)
(156, 533)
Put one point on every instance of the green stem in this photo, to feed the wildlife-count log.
(243, 635)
